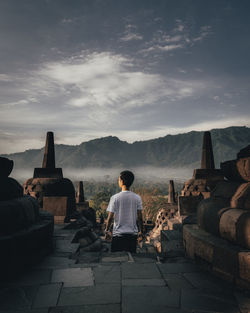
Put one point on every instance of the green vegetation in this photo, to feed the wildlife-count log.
(154, 196)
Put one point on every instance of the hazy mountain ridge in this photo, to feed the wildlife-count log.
(182, 150)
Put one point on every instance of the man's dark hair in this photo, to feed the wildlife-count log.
(127, 177)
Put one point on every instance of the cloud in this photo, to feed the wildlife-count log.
(108, 80)
(179, 37)
(131, 34)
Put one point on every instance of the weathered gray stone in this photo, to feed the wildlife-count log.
(47, 295)
(192, 299)
(99, 294)
(176, 281)
(143, 282)
(107, 274)
(136, 270)
(107, 308)
(73, 277)
(168, 268)
(155, 299)
(206, 281)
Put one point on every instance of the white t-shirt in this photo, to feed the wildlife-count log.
(124, 205)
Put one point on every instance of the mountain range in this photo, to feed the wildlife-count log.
(182, 150)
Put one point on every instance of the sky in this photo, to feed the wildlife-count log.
(135, 69)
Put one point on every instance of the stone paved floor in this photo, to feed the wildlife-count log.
(117, 283)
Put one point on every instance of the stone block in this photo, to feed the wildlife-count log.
(244, 265)
(57, 206)
(188, 204)
(225, 189)
(47, 173)
(171, 243)
(197, 244)
(224, 257)
(235, 226)
(209, 213)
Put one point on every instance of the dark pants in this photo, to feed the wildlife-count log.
(126, 242)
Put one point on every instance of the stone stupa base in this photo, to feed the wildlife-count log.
(229, 261)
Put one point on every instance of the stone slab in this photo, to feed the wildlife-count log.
(136, 270)
(98, 294)
(17, 298)
(107, 308)
(176, 282)
(206, 281)
(47, 295)
(168, 268)
(107, 274)
(73, 277)
(196, 300)
(143, 282)
(154, 299)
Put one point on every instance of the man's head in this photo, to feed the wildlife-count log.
(126, 178)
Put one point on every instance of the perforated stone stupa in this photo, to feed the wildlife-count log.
(54, 193)
(203, 181)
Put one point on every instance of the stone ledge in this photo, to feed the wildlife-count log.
(229, 261)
